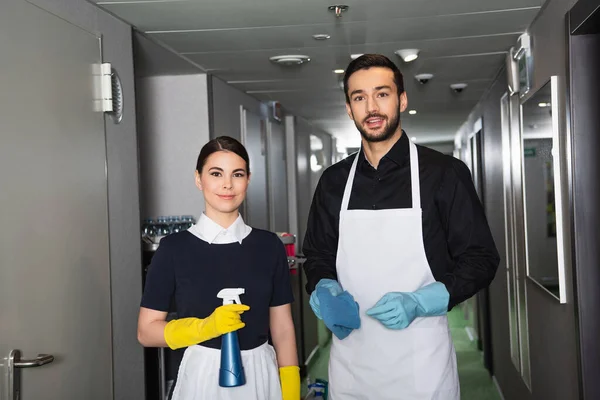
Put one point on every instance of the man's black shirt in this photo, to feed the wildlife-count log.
(457, 239)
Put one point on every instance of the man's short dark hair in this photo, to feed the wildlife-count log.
(367, 61)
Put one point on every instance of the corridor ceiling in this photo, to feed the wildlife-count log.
(459, 41)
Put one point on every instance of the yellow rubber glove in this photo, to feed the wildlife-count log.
(189, 331)
(290, 382)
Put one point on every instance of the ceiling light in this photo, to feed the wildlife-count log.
(408, 55)
(321, 36)
(544, 105)
(414, 139)
(338, 71)
(355, 56)
(294, 59)
(412, 112)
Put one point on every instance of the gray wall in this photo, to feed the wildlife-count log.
(442, 147)
(323, 157)
(306, 179)
(299, 132)
(153, 59)
(585, 120)
(552, 332)
(123, 196)
(225, 108)
(292, 176)
(302, 132)
(173, 127)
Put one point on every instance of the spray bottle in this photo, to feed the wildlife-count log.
(231, 373)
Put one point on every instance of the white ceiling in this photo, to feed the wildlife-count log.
(460, 41)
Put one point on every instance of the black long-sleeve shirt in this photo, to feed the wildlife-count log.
(457, 239)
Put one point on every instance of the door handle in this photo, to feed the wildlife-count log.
(14, 377)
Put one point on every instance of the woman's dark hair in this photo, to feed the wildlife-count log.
(367, 61)
(222, 143)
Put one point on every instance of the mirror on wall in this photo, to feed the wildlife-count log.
(543, 159)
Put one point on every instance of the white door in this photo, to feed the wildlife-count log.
(54, 253)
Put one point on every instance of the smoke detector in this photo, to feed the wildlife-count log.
(292, 59)
(338, 9)
(423, 78)
(458, 87)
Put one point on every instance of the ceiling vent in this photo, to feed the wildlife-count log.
(294, 59)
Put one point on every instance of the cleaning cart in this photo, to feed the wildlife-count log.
(317, 390)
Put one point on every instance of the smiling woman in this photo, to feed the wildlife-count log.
(220, 252)
(222, 174)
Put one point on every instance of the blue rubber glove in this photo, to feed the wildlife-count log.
(340, 313)
(396, 310)
(334, 288)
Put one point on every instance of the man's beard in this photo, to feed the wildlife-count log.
(392, 126)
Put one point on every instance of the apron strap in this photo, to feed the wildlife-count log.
(414, 176)
(414, 179)
(349, 182)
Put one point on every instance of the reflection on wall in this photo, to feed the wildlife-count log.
(316, 154)
(318, 161)
(446, 148)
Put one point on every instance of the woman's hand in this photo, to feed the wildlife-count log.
(284, 341)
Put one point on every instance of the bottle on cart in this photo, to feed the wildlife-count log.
(148, 228)
(187, 221)
(162, 227)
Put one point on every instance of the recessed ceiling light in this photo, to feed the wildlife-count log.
(292, 59)
(355, 56)
(408, 55)
(412, 112)
(338, 71)
(321, 36)
(544, 105)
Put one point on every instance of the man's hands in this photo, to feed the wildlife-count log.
(397, 310)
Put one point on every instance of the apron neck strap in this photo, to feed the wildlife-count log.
(414, 176)
(414, 179)
(349, 182)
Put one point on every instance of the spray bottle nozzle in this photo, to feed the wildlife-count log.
(231, 296)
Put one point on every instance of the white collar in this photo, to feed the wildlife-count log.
(213, 233)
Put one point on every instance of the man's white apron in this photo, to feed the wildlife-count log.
(382, 251)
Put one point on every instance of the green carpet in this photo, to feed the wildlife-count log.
(475, 382)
